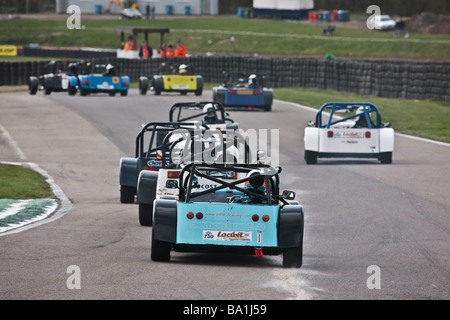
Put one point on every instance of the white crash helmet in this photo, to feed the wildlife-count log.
(182, 68)
(210, 112)
(252, 79)
(359, 110)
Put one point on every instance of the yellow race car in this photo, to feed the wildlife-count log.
(170, 79)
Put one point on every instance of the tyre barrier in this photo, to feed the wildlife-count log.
(390, 79)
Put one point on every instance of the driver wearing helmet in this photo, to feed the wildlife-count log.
(183, 70)
(210, 114)
(361, 121)
(110, 70)
(256, 185)
(253, 81)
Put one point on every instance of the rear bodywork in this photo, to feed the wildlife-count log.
(359, 135)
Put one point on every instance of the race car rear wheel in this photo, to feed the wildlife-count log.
(293, 257)
(124, 93)
(310, 157)
(145, 214)
(127, 194)
(160, 250)
(385, 157)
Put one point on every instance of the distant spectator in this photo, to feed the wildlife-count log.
(147, 11)
(180, 50)
(130, 44)
(169, 51)
(162, 51)
(145, 52)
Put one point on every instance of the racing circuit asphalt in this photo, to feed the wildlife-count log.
(358, 213)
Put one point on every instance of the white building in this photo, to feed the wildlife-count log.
(282, 8)
(162, 7)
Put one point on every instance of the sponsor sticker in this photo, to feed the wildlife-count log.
(115, 79)
(349, 134)
(211, 235)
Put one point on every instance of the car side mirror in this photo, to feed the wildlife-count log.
(311, 124)
(288, 195)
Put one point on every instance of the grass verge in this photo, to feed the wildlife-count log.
(22, 183)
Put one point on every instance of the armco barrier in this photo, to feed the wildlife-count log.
(391, 79)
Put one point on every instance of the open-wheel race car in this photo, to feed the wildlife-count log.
(99, 77)
(212, 114)
(214, 146)
(358, 135)
(56, 80)
(148, 155)
(171, 79)
(244, 90)
(252, 219)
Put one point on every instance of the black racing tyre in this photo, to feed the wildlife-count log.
(127, 194)
(145, 214)
(32, 89)
(310, 157)
(72, 90)
(293, 257)
(160, 250)
(143, 87)
(83, 92)
(124, 93)
(268, 108)
(47, 90)
(112, 93)
(385, 157)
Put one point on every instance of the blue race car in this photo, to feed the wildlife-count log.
(245, 215)
(101, 78)
(243, 90)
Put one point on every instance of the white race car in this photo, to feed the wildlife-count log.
(359, 135)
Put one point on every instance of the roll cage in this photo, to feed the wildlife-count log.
(155, 128)
(338, 107)
(237, 79)
(271, 197)
(237, 139)
(176, 110)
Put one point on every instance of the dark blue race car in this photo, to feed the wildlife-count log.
(243, 90)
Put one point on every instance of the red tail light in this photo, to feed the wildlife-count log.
(368, 135)
(199, 215)
(85, 82)
(168, 79)
(190, 215)
(255, 217)
(232, 91)
(330, 134)
(150, 168)
(125, 84)
(266, 218)
(173, 174)
(255, 92)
